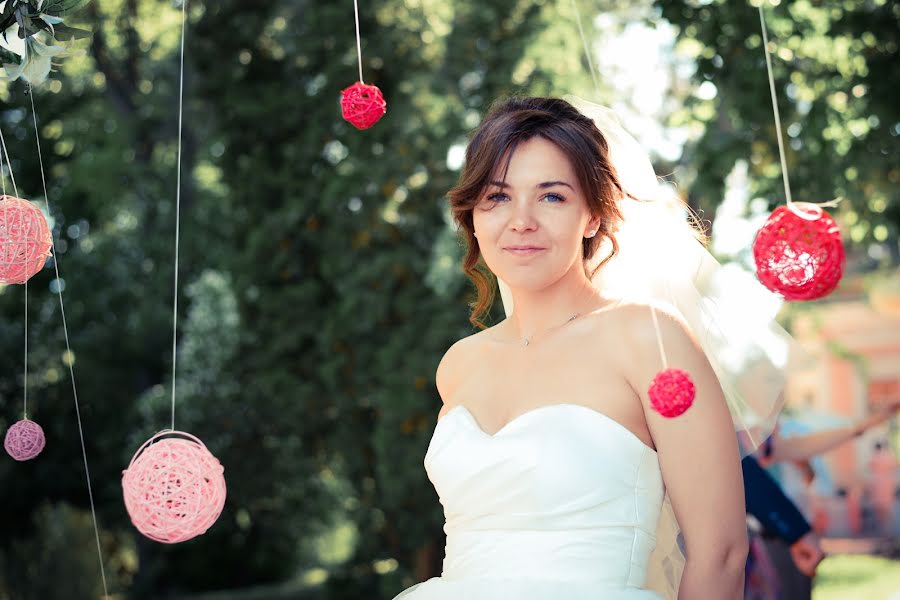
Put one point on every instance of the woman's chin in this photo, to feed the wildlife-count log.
(527, 282)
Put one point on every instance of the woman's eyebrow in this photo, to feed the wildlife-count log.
(542, 185)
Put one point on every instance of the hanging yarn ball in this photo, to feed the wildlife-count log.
(25, 240)
(362, 105)
(24, 440)
(798, 252)
(671, 392)
(174, 488)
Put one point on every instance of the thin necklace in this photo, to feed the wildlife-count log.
(527, 339)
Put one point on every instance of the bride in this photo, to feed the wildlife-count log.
(551, 464)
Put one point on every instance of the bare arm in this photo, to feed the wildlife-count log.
(802, 447)
(699, 459)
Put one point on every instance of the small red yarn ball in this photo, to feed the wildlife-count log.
(25, 240)
(24, 440)
(174, 489)
(362, 105)
(671, 392)
(799, 253)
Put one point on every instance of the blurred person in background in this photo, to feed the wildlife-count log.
(773, 517)
(793, 547)
(883, 486)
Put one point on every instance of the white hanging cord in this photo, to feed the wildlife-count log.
(594, 76)
(587, 49)
(25, 381)
(784, 168)
(16, 194)
(2, 176)
(9, 166)
(662, 351)
(70, 356)
(358, 45)
(178, 207)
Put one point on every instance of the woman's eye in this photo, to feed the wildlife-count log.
(499, 197)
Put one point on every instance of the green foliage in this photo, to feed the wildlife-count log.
(320, 279)
(64, 547)
(840, 120)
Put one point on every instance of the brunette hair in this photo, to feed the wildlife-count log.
(510, 122)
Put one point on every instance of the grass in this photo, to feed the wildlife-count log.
(857, 577)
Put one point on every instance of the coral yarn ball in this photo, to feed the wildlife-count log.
(362, 105)
(799, 253)
(671, 392)
(174, 488)
(24, 440)
(25, 240)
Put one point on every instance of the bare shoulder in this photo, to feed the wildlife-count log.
(454, 363)
(632, 320)
(637, 321)
(449, 367)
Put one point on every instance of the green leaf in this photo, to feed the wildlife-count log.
(64, 33)
(6, 22)
(62, 7)
(8, 10)
(41, 24)
(9, 57)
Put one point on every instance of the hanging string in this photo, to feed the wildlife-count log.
(595, 77)
(178, 206)
(70, 356)
(25, 376)
(16, 194)
(587, 50)
(784, 168)
(8, 165)
(662, 350)
(358, 45)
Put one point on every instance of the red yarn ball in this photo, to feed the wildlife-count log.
(362, 105)
(174, 489)
(672, 392)
(25, 240)
(24, 440)
(798, 252)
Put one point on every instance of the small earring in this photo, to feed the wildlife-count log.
(592, 234)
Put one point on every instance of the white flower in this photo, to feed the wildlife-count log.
(36, 61)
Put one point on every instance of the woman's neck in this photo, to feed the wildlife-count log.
(538, 311)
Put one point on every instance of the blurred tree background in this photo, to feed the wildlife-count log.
(834, 64)
(319, 266)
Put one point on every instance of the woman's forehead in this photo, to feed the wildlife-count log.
(534, 161)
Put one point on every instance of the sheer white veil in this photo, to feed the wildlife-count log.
(729, 312)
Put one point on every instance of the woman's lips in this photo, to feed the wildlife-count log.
(524, 250)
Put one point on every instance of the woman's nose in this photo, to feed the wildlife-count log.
(522, 217)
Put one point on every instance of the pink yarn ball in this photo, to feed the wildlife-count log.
(25, 240)
(672, 392)
(174, 488)
(24, 440)
(362, 105)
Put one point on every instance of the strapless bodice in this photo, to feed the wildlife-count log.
(561, 496)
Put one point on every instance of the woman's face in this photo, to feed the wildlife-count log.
(530, 229)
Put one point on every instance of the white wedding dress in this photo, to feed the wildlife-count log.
(561, 504)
